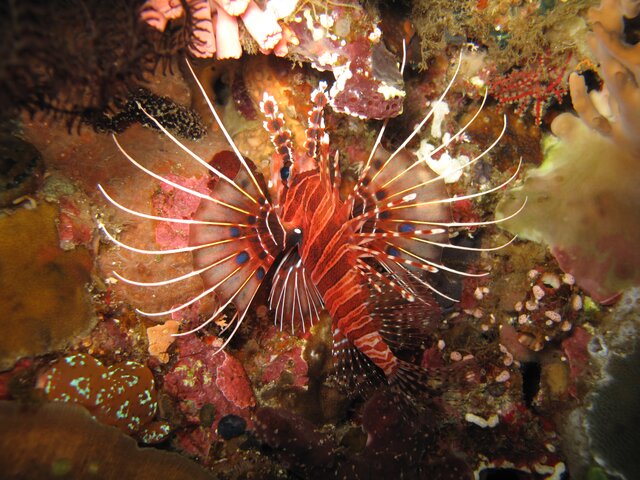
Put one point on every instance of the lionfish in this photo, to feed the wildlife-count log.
(364, 258)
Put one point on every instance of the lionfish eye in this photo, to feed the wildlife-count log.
(284, 173)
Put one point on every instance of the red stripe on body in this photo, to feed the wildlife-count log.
(313, 206)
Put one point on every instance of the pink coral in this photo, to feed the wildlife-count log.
(202, 378)
(214, 24)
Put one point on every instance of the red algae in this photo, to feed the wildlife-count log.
(200, 380)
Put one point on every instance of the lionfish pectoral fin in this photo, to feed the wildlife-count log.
(294, 298)
(400, 217)
(404, 324)
(240, 236)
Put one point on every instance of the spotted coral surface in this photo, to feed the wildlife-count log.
(122, 395)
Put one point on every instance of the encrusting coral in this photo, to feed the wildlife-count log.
(585, 194)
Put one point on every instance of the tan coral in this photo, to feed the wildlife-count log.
(160, 339)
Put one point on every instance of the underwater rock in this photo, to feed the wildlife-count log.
(611, 415)
(614, 415)
(76, 224)
(21, 169)
(576, 349)
(296, 441)
(44, 303)
(58, 440)
(347, 42)
(122, 395)
(279, 360)
(231, 426)
(204, 378)
(171, 202)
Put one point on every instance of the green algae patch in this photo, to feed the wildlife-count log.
(59, 440)
(44, 303)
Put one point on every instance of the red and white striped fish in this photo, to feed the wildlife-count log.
(326, 252)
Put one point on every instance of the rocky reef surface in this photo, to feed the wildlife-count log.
(530, 363)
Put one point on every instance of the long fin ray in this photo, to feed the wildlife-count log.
(224, 130)
(290, 280)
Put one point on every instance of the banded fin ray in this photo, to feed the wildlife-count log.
(242, 252)
(235, 234)
(407, 238)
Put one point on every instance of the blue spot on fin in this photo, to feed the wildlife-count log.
(242, 258)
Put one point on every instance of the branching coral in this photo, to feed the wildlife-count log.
(586, 193)
(213, 25)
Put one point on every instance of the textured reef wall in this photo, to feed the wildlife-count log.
(521, 366)
(585, 193)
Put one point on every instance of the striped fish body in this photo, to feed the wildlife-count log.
(314, 207)
(320, 250)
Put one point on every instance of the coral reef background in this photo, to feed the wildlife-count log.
(530, 364)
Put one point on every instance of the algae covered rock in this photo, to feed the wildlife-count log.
(43, 296)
